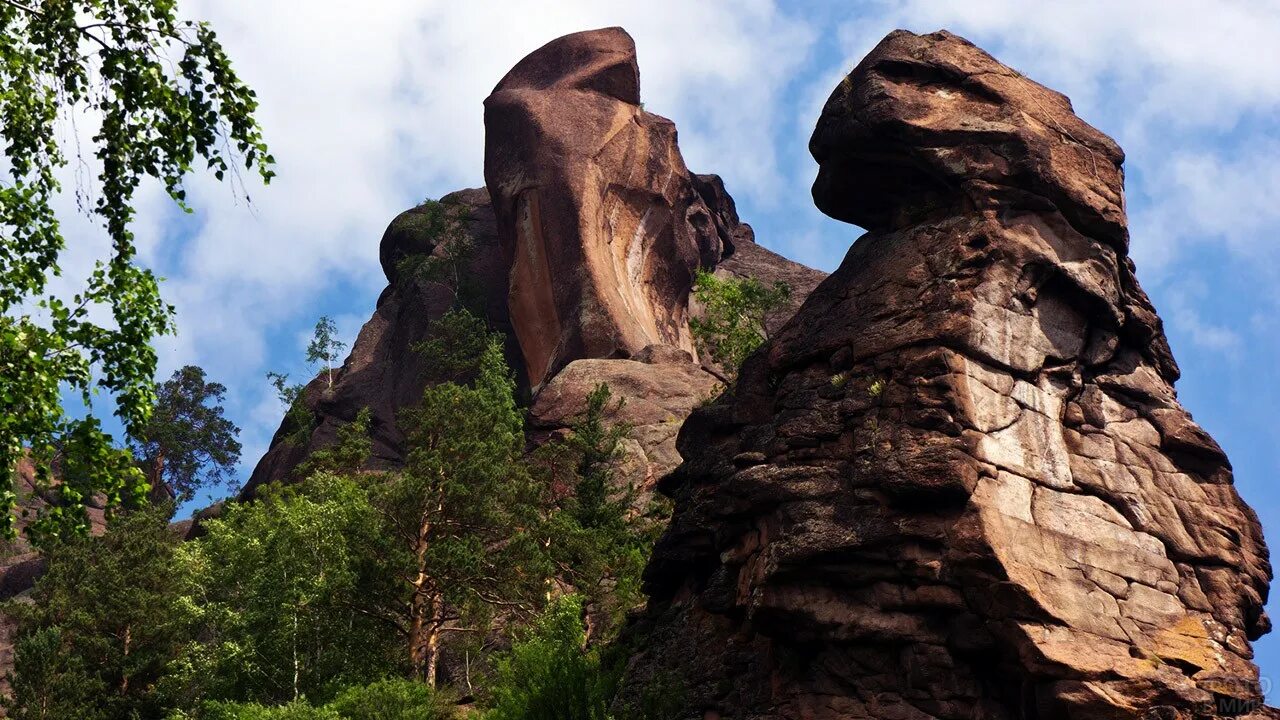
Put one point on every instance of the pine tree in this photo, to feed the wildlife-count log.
(461, 511)
(103, 627)
(188, 443)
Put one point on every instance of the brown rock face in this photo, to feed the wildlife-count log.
(604, 224)
(660, 386)
(958, 483)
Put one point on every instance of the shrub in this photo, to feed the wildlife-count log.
(735, 317)
(297, 710)
(393, 699)
(548, 675)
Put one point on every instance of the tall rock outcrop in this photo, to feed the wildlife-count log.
(958, 483)
(603, 222)
(383, 372)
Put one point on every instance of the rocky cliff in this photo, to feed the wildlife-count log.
(585, 244)
(958, 483)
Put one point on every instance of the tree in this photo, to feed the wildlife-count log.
(459, 515)
(165, 95)
(549, 673)
(597, 536)
(299, 421)
(279, 588)
(390, 699)
(444, 227)
(103, 627)
(325, 347)
(454, 346)
(345, 456)
(187, 444)
(736, 316)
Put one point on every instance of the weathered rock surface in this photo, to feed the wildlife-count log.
(958, 483)
(659, 387)
(604, 224)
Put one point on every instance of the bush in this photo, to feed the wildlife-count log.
(394, 699)
(297, 710)
(548, 675)
(736, 314)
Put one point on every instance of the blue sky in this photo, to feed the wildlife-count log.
(368, 113)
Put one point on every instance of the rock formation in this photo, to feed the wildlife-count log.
(584, 262)
(383, 373)
(958, 483)
(603, 222)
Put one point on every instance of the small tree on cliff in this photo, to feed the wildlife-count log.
(736, 316)
(187, 443)
(444, 228)
(298, 418)
(325, 347)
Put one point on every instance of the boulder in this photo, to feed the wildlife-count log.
(655, 391)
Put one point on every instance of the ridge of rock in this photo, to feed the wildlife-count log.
(958, 482)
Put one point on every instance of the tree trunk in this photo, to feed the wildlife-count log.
(433, 639)
(159, 489)
(124, 679)
(425, 625)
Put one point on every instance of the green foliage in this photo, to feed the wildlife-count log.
(547, 674)
(325, 347)
(462, 509)
(187, 444)
(391, 699)
(347, 455)
(49, 683)
(88, 465)
(104, 625)
(551, 672)
(300, 604)
(167, 96)
(297, 710)
(444, 228)
(278, 589)
(455, 345)
(736, 315)
(299, 421)
(598, 540)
